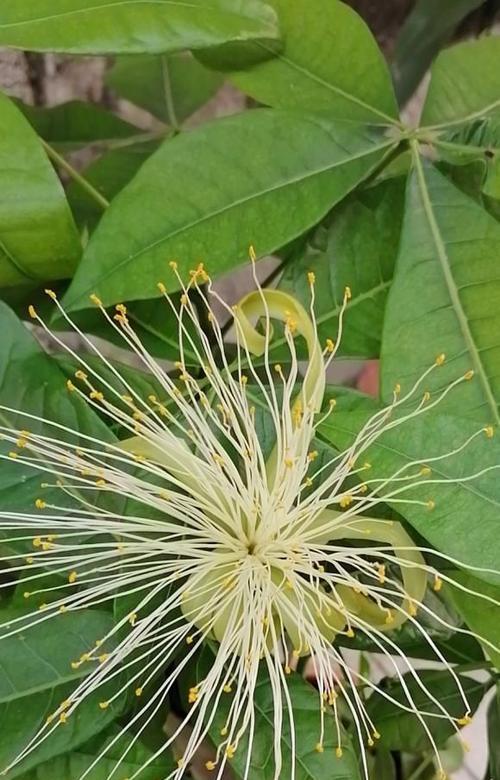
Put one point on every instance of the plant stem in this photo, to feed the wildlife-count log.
(77, 177)
(421, 767)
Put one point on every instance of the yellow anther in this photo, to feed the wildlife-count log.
(330, 345)
(103, 658)
(440, 359)
(48, 721)
(469, 374)
(95, 299)
(72, 577)
(121, 308)
(63, 717)
(75, 664)
(104, 705)
(227, 689)
(489, 431)
(412, 609)
(70, 386)
(210, 765)
(464, 721)
(132, 618)
(339, 752)
(381, 573)
(431, 504)
(438, 583)
(189, 639)
(26, 594)
(289, 463)
(13, 454)
(426, 396)
(173, 265)
(345, 501)
(40, 503)
(46, 546)
(251, 253)
(288, 669)
(223, 731)
(63, 609)
(397, 388)
(42, 606)
(350, 633)
(184, 299)
(347, 293)
(37, 541)
(100, 482)
(389, 617)
(180, 763)
(312, 455)
(278, 368)
(29, 559)
(230, 751)
(80, 374)
(162, 288)
(376, 735)
(32, 312)
(425, 471)
(319, 748)
(138, 691)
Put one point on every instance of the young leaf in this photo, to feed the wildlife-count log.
(358, 249)
(38, 238)
(445, 295)
(465, 82)
(311, 73)
(75, 124)
(200, 198)
(169, 87)
(402, 730)
(132, 26)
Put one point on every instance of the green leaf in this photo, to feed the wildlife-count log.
(448, 526)
(74, 764)
(426, 29)
(383, 767)
(38, 238)
(482, 617)
(108, 175)
(358, 250)
(169, 87)
(216, 201)
(306, 705)
(494, 737)
(36, 676)
(401, 730)
(74, 124)
(445, 296)
(311, 73)
(32, 382)
(133, 26)
(465, 82)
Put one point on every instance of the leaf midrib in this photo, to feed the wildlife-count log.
(234, 204)
(451, 286)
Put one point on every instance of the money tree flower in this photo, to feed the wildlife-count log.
(266, 553)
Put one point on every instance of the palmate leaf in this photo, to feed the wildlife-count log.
(38, 238)
(445, 296)
(200, 198)
(310, 72)
(464, 521)
(136, 26)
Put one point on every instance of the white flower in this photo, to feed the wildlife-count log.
(269, 558)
